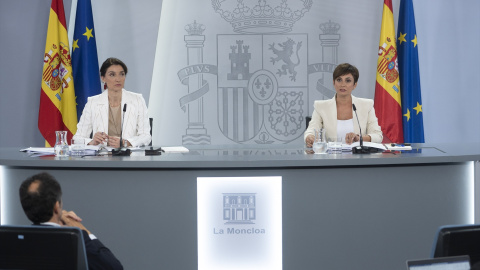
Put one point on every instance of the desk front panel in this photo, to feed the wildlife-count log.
(362, 217)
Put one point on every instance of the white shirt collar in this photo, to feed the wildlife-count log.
(51, 224)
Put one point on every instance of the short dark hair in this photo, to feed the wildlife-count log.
(111, 62)
(344, 69)
(38, 204)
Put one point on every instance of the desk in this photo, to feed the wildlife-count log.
(339, 212)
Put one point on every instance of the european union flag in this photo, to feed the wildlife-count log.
(409, 75)
(84, 56)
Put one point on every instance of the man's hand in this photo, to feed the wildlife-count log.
(70, 219)
(72, 215)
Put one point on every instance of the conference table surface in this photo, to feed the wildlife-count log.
(250, 156)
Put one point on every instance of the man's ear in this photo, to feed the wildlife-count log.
(57, 209)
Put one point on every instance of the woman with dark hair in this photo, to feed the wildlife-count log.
(103, 114)
(335, 115)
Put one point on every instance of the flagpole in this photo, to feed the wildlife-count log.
(71, 22)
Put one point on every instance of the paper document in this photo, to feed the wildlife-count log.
(398, 147)
(90, 150)
(348, 147)
(45, 150)
(175, 149)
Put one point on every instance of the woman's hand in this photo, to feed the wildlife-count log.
(113, 141)
(309, 140)
(351, 138)
(98, 138)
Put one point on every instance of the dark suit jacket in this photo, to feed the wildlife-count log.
(99, 256)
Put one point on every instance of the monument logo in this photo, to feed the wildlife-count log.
(239, 209)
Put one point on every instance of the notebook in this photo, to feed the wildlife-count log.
(443, 263)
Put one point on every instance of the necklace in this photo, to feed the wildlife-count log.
(111, 104)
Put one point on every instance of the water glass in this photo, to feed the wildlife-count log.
(319, 144)
(335, 145)
(78, 147)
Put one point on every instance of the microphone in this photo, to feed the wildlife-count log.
(361, 149)
(121, 131)
(359, 127)
(121, 151)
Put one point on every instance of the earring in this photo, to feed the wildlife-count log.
(104, 86)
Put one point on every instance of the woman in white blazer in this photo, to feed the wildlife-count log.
(336, 115)
(103, 114)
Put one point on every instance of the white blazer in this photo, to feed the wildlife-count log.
(136, 125)
(325, 116)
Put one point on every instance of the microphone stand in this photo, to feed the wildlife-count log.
(122, 151)
(361, 149)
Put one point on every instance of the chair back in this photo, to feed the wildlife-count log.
(307, 121)
(458, 240)
(42, 247)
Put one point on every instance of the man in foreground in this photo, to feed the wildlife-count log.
(41, 199)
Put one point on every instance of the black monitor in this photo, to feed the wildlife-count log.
(458, 240)
(42, 247)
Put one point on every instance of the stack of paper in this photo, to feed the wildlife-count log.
(175, 149)
(90, 150)
(398, 147)
(39, 151)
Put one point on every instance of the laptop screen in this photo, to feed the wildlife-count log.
(445, 263)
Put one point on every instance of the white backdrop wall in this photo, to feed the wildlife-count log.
(228, 116)
(450, 91)
(448, 34)
(441, 28)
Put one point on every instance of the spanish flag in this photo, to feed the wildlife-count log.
(57, 97)
(388, 105)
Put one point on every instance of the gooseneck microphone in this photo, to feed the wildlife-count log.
(120, 151)
(361, 149)
(121, 131)
(359, 127)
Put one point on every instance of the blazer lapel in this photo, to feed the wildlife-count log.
(356, 129)
(102, 110)
(332, 109)
(127, 117)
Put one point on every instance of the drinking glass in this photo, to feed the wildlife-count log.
(335, 145)
(77, 147)
(319, 144)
